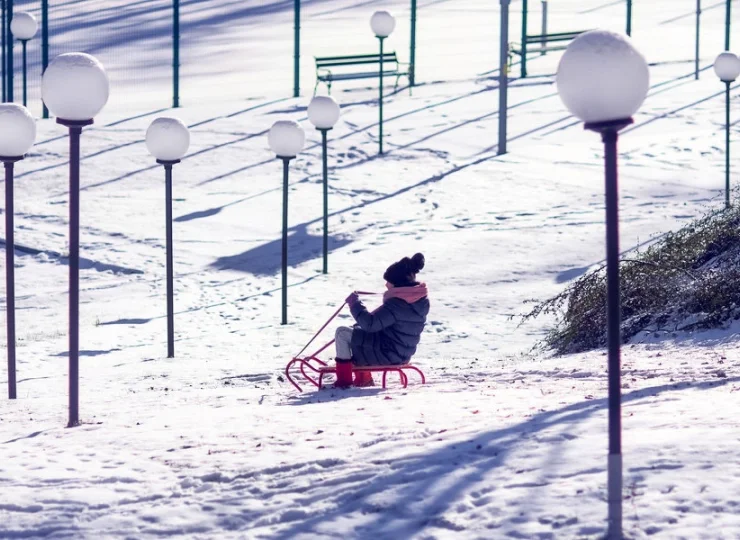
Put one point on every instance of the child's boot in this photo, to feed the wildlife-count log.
(344, 373)
(364, 378)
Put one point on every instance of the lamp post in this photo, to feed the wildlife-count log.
(503, 86)
(4, 38)
(17, 135)
(412, 57)
(24, 27)
(728, 20)
(286, 139)
(727, 68)
(323, 112)
(697, 40)
(9, 75)
(603, 80)
(383, 24)
(296, 48)
(168, 140)
(75, 88)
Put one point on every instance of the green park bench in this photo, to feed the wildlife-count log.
(542, 43)
(330, 69)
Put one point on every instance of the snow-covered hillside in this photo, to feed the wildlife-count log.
(500, 443)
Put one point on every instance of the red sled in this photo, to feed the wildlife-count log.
(314, 369)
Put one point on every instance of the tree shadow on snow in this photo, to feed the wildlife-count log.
(266, 260)
(417, 477)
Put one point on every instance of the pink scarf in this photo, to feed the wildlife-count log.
(407, 294)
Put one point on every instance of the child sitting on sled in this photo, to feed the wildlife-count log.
(390, 334)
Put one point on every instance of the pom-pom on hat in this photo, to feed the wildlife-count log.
(403, 273)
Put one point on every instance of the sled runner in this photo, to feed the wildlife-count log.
(313, 369)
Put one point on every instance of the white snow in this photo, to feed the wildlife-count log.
(504, 441)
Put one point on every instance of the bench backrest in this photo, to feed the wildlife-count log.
(562, 36)
(358, 59)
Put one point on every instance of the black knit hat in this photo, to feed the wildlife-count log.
(403, 273)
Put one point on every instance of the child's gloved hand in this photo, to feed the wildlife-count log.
(352, 299)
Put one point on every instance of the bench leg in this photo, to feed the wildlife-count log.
(524, 63)
(385, 375)
(321, 380)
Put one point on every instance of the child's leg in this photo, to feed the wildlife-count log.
(343, 342)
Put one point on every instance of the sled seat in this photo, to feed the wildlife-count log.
(379, 369)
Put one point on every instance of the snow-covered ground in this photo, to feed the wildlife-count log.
(501, 442)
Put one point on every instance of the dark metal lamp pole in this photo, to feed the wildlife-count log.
(75, 131)
(170, 259)
(380, 100)
(9, 163)
(727, 143)
(325, 170)
(412, 58)
(609, 133)
(286, 169)
(24, 45)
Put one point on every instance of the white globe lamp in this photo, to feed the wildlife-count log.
(23, 26)
(75, 87)
(323, 112)
(286, 138)
(602, 77)
(727, 66)
(168, 139)
(382, 23)
(17, 131)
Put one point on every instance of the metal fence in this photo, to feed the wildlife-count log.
(213, 49)
(161, 53)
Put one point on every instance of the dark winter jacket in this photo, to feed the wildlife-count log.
(388, 336)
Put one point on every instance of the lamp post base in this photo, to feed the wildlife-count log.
(169, 162)
(75, 123)
(609, 125)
